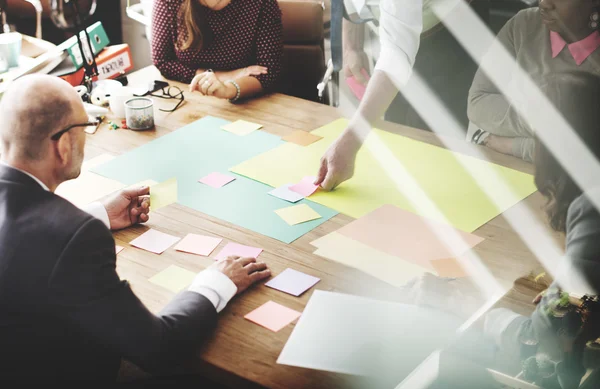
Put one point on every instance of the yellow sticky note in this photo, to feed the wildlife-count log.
(302, 138)
(241, 127)
(297, 214)
(89, 187)
(173, 278)
(386, 168)
(163, 194)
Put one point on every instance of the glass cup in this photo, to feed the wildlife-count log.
(139, 113)
(10, 48)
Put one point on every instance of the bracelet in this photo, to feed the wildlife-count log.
(239, 91)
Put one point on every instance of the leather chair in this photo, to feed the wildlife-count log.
(304, 55)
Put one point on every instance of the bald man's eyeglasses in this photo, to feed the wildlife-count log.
(61, 132)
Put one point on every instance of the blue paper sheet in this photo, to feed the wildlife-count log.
(200, 148)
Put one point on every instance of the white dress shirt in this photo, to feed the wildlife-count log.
(212, 284)
(400, 26)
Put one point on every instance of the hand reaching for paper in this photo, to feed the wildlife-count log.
(337, 165)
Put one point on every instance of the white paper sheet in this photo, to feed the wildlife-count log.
(360, 336)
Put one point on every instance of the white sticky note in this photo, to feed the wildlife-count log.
(284, 193)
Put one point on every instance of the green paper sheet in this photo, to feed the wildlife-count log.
(200, 148)
(438, 171)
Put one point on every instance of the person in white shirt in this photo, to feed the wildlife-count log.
(66, 314)
(401, 26)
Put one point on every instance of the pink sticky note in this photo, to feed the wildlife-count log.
(356, 87)
(198, 244)
(154, 241)
(293, 282)
(216, 180)
(305, 187)
(272, 316)
(118, 249)
(238, 250)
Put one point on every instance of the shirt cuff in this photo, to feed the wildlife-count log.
(497, 321)
(215, 286)
(98, 211)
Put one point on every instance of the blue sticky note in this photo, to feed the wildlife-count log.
(201, 148)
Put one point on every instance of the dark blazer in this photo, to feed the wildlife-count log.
(64, 313)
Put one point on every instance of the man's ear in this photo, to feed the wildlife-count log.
(64, 149)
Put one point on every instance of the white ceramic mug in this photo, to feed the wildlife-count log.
(117, 101)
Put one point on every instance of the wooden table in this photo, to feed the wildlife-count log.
(240, 353)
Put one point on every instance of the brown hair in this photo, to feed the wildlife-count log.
(577, 97)
(195, 34)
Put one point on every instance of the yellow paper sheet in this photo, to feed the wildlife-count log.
(438, 172)
(297, 214)
(241, 127)
(163, 194)
(173, 278)
(346, 251)
(89, 187)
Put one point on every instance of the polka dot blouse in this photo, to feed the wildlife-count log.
(245, 33)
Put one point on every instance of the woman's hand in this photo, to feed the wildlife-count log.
(254, 70)
(209, 84)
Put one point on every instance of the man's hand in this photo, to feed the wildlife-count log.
(128, 207)
(337, 165)
(244, 272)
(354, 62)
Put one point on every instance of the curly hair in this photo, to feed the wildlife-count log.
(577, 97)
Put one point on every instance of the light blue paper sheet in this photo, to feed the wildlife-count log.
(200, 148)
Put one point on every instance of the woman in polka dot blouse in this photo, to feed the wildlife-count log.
(229, 49)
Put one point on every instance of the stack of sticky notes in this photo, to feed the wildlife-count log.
(241, 127)
(298, 214)
(173, 278)
(216, 180)
(292, 282)
(162, 194)
(302, 138)
(284, 193)
(305, 187)
(274, 316)
(154, 241)
(238, 250)
(198, 244)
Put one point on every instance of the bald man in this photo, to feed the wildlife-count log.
(65, 316)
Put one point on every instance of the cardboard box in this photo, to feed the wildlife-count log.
(112, 62)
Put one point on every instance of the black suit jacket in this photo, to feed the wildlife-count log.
(64, 313)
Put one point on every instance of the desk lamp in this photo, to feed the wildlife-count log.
(70, 15)
(5, 27)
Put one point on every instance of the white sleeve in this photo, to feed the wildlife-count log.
(400, 26)
(215, 286)
(98, 211)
